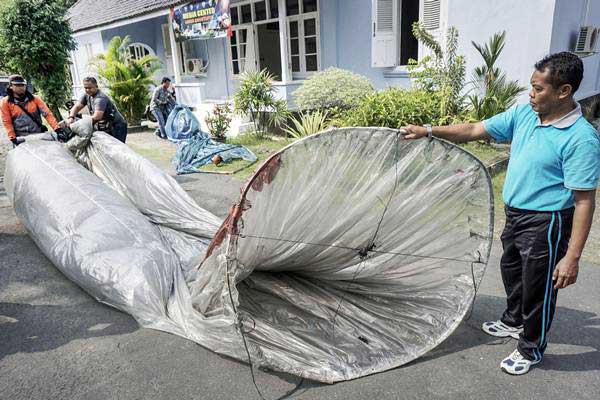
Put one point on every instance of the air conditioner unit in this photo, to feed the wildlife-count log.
(586, 41)
(195, 66)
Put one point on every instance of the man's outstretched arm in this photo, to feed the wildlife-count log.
(454, 133)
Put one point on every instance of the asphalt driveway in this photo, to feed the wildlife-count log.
(56, 342)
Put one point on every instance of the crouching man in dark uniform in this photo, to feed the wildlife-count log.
(105, 116)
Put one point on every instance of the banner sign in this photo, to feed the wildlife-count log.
(202, 20)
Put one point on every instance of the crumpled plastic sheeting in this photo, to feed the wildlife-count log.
(350, 252)
(91, 233)
(181, 124)
(200, 149)
(131, 250)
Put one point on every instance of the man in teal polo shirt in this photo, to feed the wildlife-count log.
(549, 193)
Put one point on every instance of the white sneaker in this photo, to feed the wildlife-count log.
(516, 364)
(500, 329)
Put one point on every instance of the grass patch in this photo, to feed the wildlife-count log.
(163, 152)
(497, 185)
(261, 147)
(483, 151)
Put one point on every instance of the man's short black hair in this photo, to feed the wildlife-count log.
(564, 68)
(90, 79)
(165, 79)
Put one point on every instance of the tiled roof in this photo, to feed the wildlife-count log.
(86, 14)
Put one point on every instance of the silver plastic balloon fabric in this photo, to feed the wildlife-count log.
(349, 252)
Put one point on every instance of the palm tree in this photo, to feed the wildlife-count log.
(498, 93)
(127, 79)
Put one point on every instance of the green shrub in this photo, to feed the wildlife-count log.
(395, 107)
(307, 124)
(442, 72)
(218, 122)
(256, 99)
(332, 88)
(128, 80)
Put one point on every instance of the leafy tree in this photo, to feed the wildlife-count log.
(35, 41)
(496, 92)
(69, 3)
(443, 71)
(128, 80)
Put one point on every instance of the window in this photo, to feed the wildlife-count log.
(309, 6)
(194, 57)
(310, 44)
(241, 47)
(393, 43)
(235, 20)
(295, 7)
(431, 14)
(304, 44)
(409, 45)
(254, 11)
(294, 45)
(292, 7)
(252, 43)
(245, 14)
(260, 11)
(139, 50)
(274, 11)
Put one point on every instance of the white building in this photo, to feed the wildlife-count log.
(295, 38)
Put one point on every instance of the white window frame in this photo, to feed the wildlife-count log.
(438, 32)
(302, 74)
(269, 18)
(138, 49)
(236, 29)
(397, 38)
(300, 18)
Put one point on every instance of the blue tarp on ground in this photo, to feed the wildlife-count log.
(181, 124)
(195, 147)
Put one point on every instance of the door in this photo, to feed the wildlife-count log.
(269, 49)
(242, 46)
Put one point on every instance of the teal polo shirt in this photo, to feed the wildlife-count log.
(547, 162)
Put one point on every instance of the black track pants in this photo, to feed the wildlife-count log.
(533, 242)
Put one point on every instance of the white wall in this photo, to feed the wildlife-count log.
(82, 60)
(528, 24)
(569, 15)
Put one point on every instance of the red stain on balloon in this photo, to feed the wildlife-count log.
(229, 226)
(267, 173)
